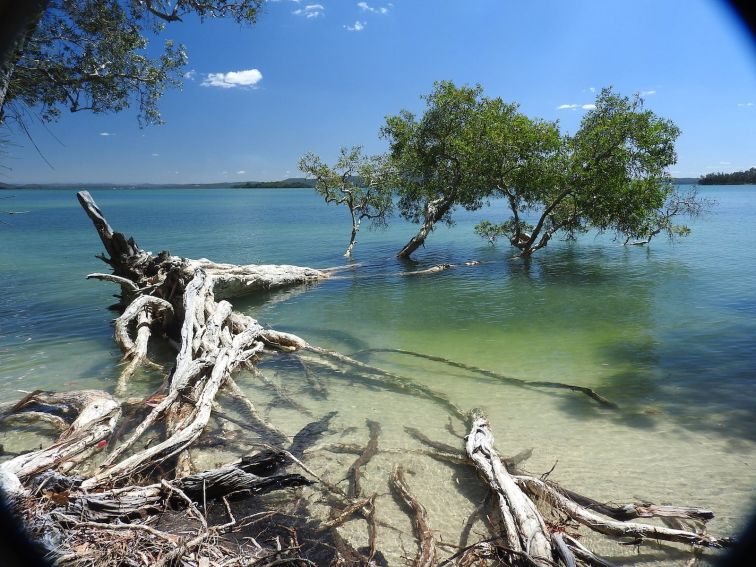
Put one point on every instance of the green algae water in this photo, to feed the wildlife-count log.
(668, 332)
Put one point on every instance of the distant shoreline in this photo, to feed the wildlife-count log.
(291, 183)
(294, 183)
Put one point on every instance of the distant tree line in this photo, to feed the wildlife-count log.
(284, 184)
(747, 177)
(466, 149)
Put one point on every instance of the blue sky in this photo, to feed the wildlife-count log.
(314, 75)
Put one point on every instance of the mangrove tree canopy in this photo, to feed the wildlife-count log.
(610, 176)
(466, 149)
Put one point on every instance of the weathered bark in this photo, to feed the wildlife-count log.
(434, 212)
(353, 236)
(97, 415)
(121, 251)
(585, 554)
(426, 555)
(524, 527)
(135, 351)
(370, 450)
(340, 517)
(439, 268)
(616, 528)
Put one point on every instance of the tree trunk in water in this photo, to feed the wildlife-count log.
(17, 21)
(435, 210)
(353, 238)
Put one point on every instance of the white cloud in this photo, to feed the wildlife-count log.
(155, 155)
(647, 93)
(588, 106)
(248, 78)
(725, 163)
(241, 172)
(368, 8)
(190, 75)
(743, 104)
(107, 134)
(357, 26)
(310, 11)
(592, 89)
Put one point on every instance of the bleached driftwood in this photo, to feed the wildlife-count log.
(97, 413)
(526, 533)
(524, 528)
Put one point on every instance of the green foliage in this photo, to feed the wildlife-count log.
(95, 55)
(610, 176)
(747, 177)
(467, 148)
(617, 165)
(357, 181)
(491, 232)
(435, 158)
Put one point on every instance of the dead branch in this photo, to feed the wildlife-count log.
(525, 528)
(501, 377)
(426, 555)
(367, 454)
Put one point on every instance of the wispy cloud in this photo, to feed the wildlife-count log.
(241, 172)
(190, 75)
(592, 89)
(647, 93)
(107, 134)
(247, 78)
(356, 27)
(744, 104)
(368, 8)
(588, 106)
(725, 163)
(310, 11)
(155, 155)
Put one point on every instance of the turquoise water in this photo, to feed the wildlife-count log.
(667, 331)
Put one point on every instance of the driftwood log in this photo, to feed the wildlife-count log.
(103, 494)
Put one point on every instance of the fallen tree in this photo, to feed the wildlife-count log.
(103, 495)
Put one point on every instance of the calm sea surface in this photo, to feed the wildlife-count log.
(667, 331)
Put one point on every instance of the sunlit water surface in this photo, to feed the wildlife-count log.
(668, 332)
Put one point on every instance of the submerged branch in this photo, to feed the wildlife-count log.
(491, 374)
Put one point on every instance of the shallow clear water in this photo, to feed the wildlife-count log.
(668, 332)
